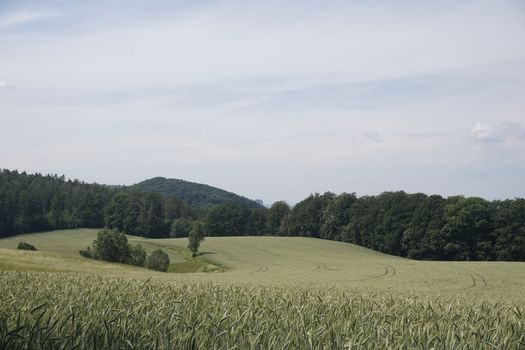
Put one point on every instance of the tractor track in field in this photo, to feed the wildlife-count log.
(389, 271)
(320, 267)
(262, 268)
(478, 281)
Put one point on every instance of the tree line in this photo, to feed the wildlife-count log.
(411, 225)
(416, 226)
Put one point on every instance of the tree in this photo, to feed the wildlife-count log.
(227, 220)
(305, 217)
(112, 245)
(195, 237)
(137, 255)
(158, 261)
(150, 223)
(181, 227)
(336, 215)
(256, 223)
(277, 221)
(467, 223)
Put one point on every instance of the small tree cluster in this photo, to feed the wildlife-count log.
(112, 245)
(26, 246)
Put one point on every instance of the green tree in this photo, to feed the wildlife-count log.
(336, 215)
(305, 217)
(158, 261)
(468, 222)
(112, 245)
(256, 223)
(195, 237)
(181, 227)
(277, 222)
(117, 211)
(227, 220)
(150, 222)
(137, 255)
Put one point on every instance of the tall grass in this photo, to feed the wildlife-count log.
(65, 311)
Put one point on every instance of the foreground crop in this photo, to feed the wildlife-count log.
(48, 311)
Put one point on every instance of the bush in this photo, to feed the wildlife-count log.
(158, 260)
(112, 245)
(26, 246)
(88, 253)
(138, 255)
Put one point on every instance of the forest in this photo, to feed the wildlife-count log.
(418, 226)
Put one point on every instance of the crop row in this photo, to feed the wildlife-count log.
(66, 311)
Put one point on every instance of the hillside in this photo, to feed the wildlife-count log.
(302, 292)
(297, 261)
(195, 194)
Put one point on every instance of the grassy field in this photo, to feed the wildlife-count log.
(273, 292)
(307, 262)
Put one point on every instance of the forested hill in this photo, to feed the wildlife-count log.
(194, 194)
(411, 225)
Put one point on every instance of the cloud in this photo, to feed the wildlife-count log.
(6, 84)
(374, 136)
(20, 17)
(508, 132)
(485, 133)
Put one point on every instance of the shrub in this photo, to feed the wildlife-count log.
(88, 253)
(137, 255)
(26, 246)
(112, 245)
(158, 260)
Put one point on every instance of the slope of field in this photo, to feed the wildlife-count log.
(298, 261)
(278, 292)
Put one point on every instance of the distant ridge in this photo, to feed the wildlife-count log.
(195, 194)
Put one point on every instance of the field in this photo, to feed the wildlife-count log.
(263, 292)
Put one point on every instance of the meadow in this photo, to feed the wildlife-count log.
(260, 293)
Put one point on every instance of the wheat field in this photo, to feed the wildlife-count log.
(274, 292)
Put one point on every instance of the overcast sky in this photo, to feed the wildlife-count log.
(268, 99)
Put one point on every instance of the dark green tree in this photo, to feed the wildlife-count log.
(277, 222)
(227, 220)
(112, 245)
(195, 237)
(137, 255)
(467, 225)
(336, 215)
(158, 261)
(256, 222)
(305, 217)
(181, 227)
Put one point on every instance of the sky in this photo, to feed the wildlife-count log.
(273, 100)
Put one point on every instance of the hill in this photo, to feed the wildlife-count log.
(195, 194)
(296, 261)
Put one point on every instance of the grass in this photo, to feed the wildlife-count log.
(271, 292)
(47, 311)
(295, 261)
